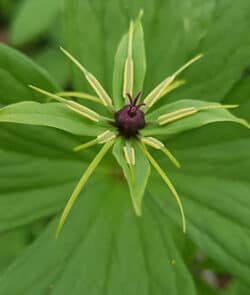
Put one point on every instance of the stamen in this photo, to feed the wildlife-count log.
(129, 65)
(106, 136)
(100, 139)
(74, 106)
(81, 95)
(129, 154)
(156, 93)
(218, 106)
(102, 94)
(172, 87)
(155, 143)
(176, 115)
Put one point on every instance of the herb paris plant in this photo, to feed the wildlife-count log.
(130, 127)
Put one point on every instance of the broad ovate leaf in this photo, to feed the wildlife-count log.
(134, 254)
(18, 71)
(38, 171)
(33, 18)
(214, 186)
(54, 115)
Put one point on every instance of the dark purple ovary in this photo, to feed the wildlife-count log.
(130, 119)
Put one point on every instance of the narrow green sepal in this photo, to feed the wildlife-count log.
(137, 180)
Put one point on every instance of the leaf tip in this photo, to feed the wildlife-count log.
(137, 208)
(141, 13)
(231, 106)
(62, 49)
(245, 123)
(58, 230)
(199, 56)
(178, 164)
(31, 86)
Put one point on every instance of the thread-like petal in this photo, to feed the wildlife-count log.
(86, 175)
(167, 182)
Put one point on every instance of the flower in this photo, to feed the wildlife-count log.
(128, 122)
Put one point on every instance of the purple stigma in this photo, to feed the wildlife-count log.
(130, 119)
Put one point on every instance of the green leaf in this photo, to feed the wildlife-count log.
(216, 204)
(82, 183)
(224, 61)
(175, 32)
(103, 228)
(136, 175)
(16, 73)
(33, 18)
(198, 119)
(139, 62)
(214, 186)
(55, 63)
(237, 287)
(12, 243)
(99, 36)
(36, 163)
(49, 114)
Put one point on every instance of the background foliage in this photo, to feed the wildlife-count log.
(104, 248)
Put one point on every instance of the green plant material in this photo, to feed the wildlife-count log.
(220, 232)
(54, 62)
(72, 105)
(130, 50)
(36, 163)
(16, 72)
(128, 71)
(33, 18)
(126, 119)
(81, 95)
(95, 84)
(169, 184)
(91, 168)
(163, 87)
(199, 113)
(104, 217)
(100, 139)
(7, 9)
(174, 85)
(12, 243)
(103, 227)
(137, 180)
(237, 287)
(49, 114)
(155, 143)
